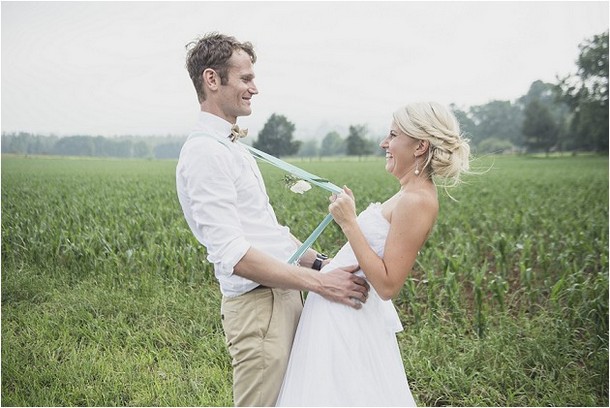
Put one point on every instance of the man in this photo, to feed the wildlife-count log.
(224, 201)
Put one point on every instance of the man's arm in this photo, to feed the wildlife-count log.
(310, 256)
(338, 285)
(209, 185)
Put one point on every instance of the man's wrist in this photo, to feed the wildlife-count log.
(317, 263)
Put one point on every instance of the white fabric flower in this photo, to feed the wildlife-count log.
(300, 187)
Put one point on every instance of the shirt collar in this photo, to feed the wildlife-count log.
(213, 125)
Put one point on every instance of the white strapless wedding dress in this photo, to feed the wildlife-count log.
(347, 357)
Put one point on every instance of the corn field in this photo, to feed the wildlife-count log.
(108, 300)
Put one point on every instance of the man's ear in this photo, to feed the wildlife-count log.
(211, 79)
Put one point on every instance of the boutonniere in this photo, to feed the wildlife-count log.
(296, 185)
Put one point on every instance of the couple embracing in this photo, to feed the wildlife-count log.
(340, 347)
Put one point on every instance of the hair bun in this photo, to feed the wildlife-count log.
(449, 154)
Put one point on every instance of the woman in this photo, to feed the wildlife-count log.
(347, 357)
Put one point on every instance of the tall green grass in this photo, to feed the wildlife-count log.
(108, 300)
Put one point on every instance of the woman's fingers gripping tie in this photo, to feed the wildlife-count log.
(348, 192)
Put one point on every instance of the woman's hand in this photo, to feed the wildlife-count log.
(343, 207)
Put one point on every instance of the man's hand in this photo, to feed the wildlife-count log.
(342, 286)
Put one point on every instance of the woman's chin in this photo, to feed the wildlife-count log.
(389, 167)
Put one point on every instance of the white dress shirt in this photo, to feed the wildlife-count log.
(225, 203)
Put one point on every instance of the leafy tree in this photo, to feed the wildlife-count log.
(539, 127)
(541, 91)
(467, 125)
(16, 143)
(98, 146)
(167, 150)
(276, 137)
(75, 146)
(122, 148)
(500, 119)
(309, 148)
(586, 93)
(26, 143)
(105, 147)
(374, 147)
(141, 149)
(332, 145)
(548, 95)
(494, 146)
(356, 142)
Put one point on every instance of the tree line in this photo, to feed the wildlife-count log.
(569, 115)
(153, 147)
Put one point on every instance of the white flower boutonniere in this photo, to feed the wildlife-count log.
(300, 187)
(296, 185)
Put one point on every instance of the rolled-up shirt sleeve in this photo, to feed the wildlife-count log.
(207, 179)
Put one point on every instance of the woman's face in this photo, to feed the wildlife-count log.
(399, 152)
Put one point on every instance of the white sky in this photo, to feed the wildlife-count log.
(116, 68)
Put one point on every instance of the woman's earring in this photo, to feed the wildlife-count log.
(417, 168)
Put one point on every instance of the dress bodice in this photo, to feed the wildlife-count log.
(375, 228)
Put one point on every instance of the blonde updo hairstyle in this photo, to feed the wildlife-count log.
(448, 154)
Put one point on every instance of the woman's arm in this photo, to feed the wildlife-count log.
(412, 218)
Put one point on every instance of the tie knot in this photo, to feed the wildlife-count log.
(237, 133)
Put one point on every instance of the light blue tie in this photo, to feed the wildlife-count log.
(300, 173)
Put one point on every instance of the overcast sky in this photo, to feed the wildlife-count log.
(117, 68)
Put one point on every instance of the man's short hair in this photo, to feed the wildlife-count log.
(213, 51)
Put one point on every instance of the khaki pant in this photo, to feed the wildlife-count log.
(259, 327)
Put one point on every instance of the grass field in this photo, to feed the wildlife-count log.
(107, 299)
